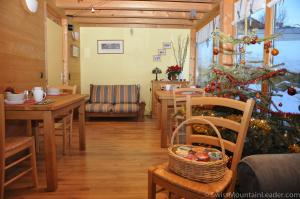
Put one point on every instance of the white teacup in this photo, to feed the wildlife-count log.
(38, 94)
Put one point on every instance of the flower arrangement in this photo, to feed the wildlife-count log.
(173, 71)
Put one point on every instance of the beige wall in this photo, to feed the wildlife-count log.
(132, 67)
(54, 53)
(74, 62)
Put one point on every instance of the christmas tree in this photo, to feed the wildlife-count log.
(270, 130)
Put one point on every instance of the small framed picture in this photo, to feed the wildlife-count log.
(75, 51)
(162, 51)
(167, 45)
(156, 58)
(110, 46)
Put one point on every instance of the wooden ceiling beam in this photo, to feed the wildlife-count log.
(84, 20)
(138, 26)
(133, 14)
(134, 5)
(186, 1)
(208, 17)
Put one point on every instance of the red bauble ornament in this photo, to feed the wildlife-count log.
(207, 89)
(291, 91)
(254, 39)
(280, 104)
(216, 51)
(275, 52)
(257, 95)
(267, 44)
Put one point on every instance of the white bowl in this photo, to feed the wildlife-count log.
(14, 97)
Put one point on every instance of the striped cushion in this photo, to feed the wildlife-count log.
(126, 94)
(97, 107)
(125, 108)
(102, 94)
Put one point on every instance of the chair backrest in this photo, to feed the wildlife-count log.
(66, 88)
(240, 128)
(179, 96)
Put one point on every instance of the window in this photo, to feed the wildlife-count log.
(205, 52)
(287, 23)
(204, 60)
(255, 22)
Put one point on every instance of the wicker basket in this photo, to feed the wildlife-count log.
(197, 170)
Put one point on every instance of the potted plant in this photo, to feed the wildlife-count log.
(173, 72)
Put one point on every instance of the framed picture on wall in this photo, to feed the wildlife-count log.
(110, 46)
(156, 58)
(162, 51)
(75, 51)
(167, 45)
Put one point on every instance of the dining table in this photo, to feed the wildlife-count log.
(53, 108)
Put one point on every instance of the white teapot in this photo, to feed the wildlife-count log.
(38, 94)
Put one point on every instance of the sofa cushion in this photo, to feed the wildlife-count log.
(126, 94)
(98, 107)
(125, 108)
(102, 93)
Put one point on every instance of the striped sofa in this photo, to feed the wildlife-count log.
(115, 101)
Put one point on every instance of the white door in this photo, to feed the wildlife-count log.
(54, 53)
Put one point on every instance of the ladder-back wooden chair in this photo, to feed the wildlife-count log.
(64, 124)
(179, 101)
(188, 189)
(10, 146)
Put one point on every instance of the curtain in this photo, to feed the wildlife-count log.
(244, 8)
(205, 33)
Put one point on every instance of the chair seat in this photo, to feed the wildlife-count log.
(17, 143)
(209, 189)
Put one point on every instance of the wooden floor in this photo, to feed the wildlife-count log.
(114, 165)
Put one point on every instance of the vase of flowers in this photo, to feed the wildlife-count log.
(173, 72)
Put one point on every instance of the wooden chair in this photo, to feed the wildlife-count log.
(188, 189)
(64, 124)
(179, 98)
(179, 104)
(10, 146)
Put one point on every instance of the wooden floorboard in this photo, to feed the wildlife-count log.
(114, 165)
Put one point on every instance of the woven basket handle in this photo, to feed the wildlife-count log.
(201, 121)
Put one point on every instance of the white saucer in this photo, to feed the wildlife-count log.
(14, 102)
(53, 93)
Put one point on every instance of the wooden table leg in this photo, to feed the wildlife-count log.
(50, 151)
(163, 119)
(158, 115)
(82, 126)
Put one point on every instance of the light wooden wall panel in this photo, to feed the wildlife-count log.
(22, 46)
(74, 62)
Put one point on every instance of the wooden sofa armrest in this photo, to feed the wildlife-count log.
(141, 112)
